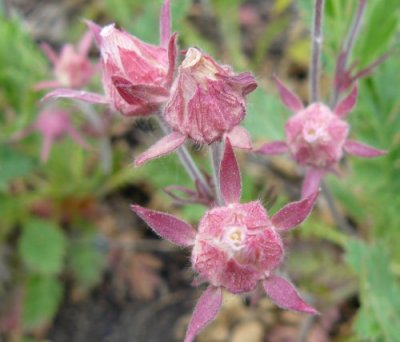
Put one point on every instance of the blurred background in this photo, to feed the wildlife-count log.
(77, 265)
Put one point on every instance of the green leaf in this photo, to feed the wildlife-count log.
(379, 290)
(42, 298)
(86, 263)
(266, 116)
(13, 164)
(42, 247)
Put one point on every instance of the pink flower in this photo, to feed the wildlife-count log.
(72, 68)
(207, 103)
(52, 124)
(136, 76)
(317, 137)
(237, 246)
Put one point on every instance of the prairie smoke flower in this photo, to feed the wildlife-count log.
(207, 103)
(317, 137)
(136, 76)
(53, 124)
(236, 247)
(72, 67)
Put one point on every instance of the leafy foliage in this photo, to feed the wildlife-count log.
(379, 316)
(42, 247)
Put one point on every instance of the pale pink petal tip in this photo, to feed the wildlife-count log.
(312, 181)
(167, 226)
(294, 213)
(348, 103)
(229, 176)
(95, 29)
(240, 138)
(165, 23)
(75, 95)
(162, 147)
(290, 99)
(362, 150)
(285, 295)
(273, 148)
(205, 312)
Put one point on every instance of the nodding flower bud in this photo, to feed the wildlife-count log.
(207, 99)
(316, 136)
(128, 62)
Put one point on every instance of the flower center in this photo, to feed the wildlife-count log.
(234, 237)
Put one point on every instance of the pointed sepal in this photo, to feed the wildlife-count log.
(167, 226)
(290, 99)
(165, 23)
(81, 95)
(273, 148)
(229, 176)
(284, 294)
(347, 104)
(362, 150)
(293, 214)
(205, 312)
(162, 147)
(240, 138)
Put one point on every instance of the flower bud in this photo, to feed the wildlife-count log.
(236, 246)
(316, 136)
(207, 100)
(137, 63)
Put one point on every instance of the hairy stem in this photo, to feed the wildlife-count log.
(188, 163)
(215, 156)
(339, 219)
(347, 49)
(316, 50)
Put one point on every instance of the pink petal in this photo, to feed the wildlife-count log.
(50, 53)
(290, 99)
(46, 85)
(76, 95)
(347, 104)
(167, 226)
(85, 43)
(205, 312)
(165, 23)
(312, 181)
(162, 147)
(359, 149)
(245, 81)
(172, 52)
(229, 176)
(240, 138)
(285, 295)
(273, 148)
(131, 93)
(95, 29)
(294, 213)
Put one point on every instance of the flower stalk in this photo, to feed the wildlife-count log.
(316, 50)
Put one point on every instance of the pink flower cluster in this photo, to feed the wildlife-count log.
(236, 246)
(317, 137)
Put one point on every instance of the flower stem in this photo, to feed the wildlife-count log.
(316, 50)
(346, 51)
(187, 162)
(215, 156)
(339, 219)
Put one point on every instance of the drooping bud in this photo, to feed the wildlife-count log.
(207, 99)
(134, 63)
